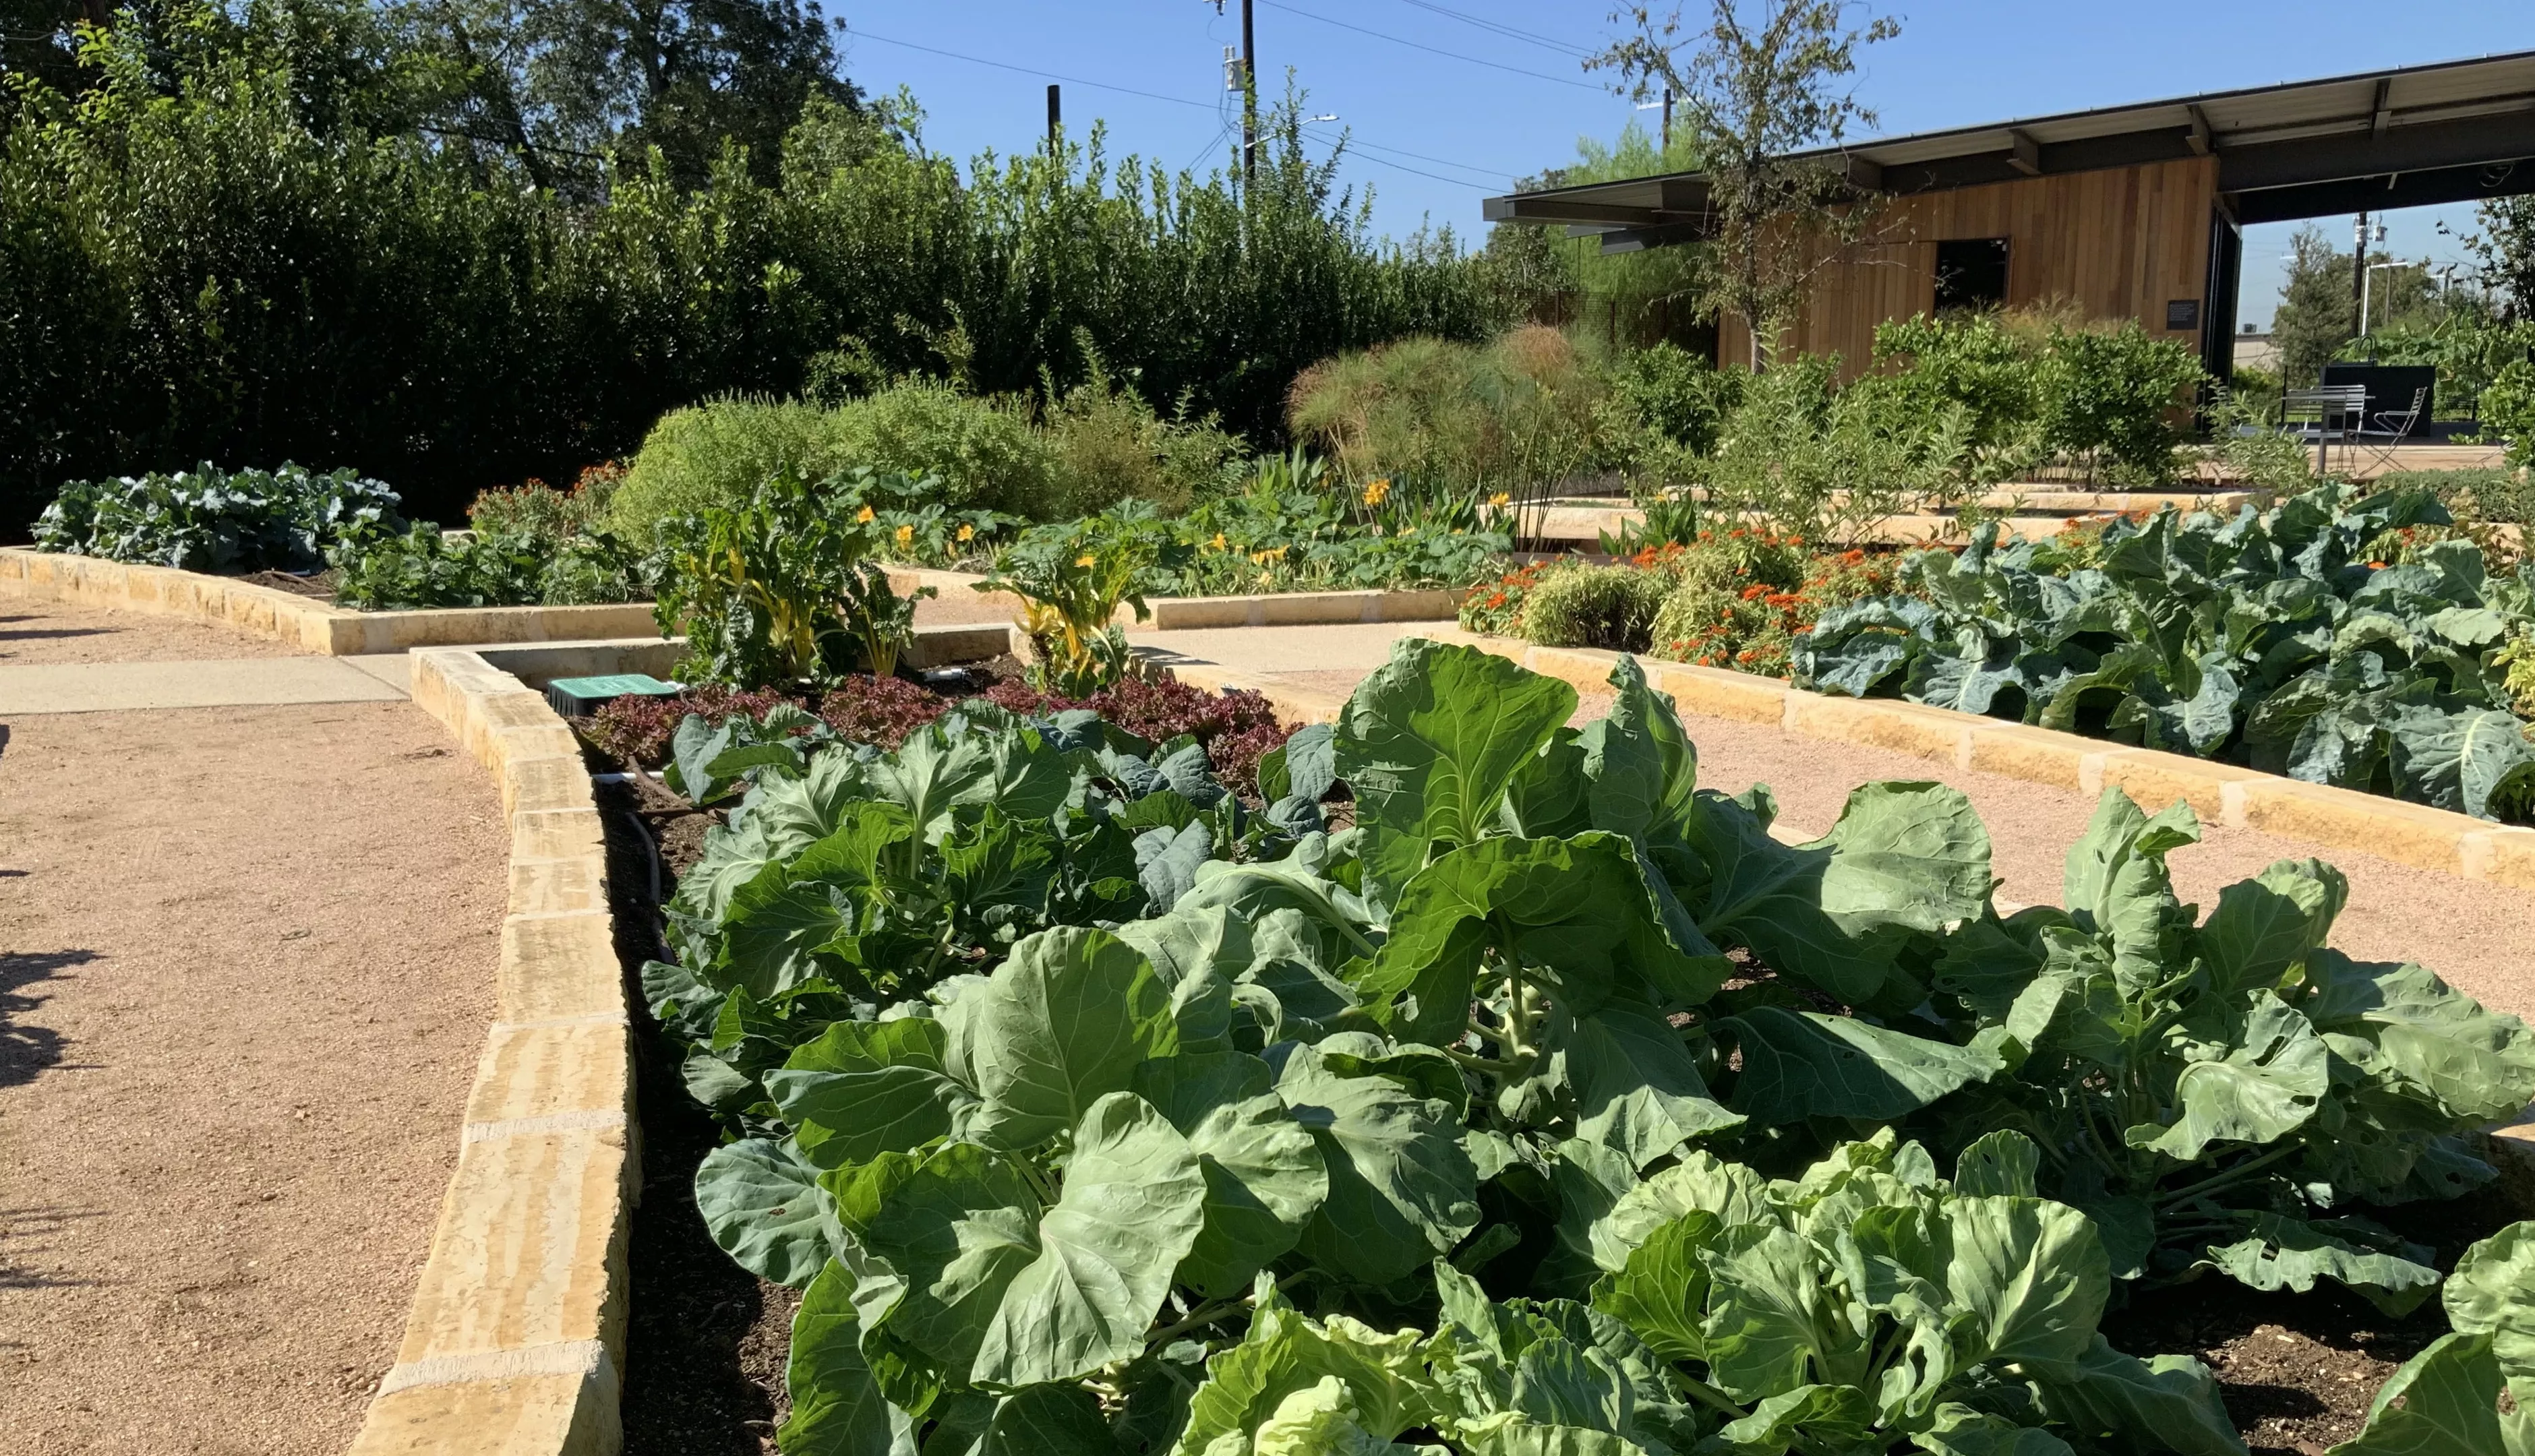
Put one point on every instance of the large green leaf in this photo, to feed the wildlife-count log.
(1002, 1292)
(2266, 1088)
(1264, 1175)
(837, 1409)
(1640, 769)
(1402, 1188)
(2461, 760)
(1048, 1421)
(2265, 927)
(2444, 1402)
(1058, 1025)
(1580, 914)
(1961, 1430)
(2116, 885)
(2477, 1064)
(2168, 1403)
(2031, 1272)
(1635, 1085)
(1770, 1328)
(2290, 1253)
(1662, 1292)
(1428, 744)
(1799, 1065)
(763, 1207)
(863, 1088)
(1284, 1354)
(2493, 1293)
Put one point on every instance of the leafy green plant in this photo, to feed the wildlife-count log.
(2273, 639)
(716, 453)
(210, 519)
(773, 592)
(1073, 577)
(2471, 1391)
(1804, 457)
(1590, 606)
(486, 568)
(2507, 411)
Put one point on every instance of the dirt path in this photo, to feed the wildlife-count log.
(246, 960)
(34, 632)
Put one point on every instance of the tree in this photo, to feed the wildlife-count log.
(1755, 93)
(2504, 249)
(2316, 312)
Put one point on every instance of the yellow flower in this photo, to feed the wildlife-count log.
(1218, 543)
(1501, 499)
(1375, 490)
(967, 532)
(863, 516)
(906, 535)
(1086, 559)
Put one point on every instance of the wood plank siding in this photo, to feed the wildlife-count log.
(2121, 242)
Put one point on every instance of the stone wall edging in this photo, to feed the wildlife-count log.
(304, 622)
(2412, 834)
(1194, 613)
(514, 1343)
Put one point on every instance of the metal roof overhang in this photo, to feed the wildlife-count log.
(2457, 131)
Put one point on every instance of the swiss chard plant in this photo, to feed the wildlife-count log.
(2273, 639)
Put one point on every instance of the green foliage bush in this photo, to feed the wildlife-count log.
(500, 568)
(716, 453)
(784, 587)
(205, 256)
(1506, 415)
(2507, 410)
(982, 454)
(1594, 606)
(210, 519)
(1666, 405)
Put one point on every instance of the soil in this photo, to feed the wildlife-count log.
(320, 585)
(706, 1340)
(34, 632)
(247, 957)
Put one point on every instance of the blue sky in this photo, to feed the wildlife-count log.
(1434, 133)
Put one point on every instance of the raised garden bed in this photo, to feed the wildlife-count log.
(1549, 879)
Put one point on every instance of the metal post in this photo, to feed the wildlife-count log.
(1248, 97)
(1667, 121)
(2358, 261)
(1055, 120)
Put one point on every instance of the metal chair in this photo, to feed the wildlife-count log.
(2393, 427)
(2340, 411)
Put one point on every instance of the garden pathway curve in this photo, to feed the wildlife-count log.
(247, 955)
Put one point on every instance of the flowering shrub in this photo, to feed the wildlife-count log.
(1746, 595)
(1496, 609)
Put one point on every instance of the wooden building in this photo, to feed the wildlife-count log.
(2129, 212)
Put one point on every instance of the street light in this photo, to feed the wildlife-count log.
(2370, 285)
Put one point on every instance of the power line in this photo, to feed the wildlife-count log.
(1340, 144)
(1511, 33)
(1435, 50)
(1032, 71)
(1356, 141)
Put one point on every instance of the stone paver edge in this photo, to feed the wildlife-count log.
(515, 1342)
(311, 625)
(1193, 613)
(2412, 834)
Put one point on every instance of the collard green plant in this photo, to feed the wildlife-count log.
(2272, 638)
(2472, 1392)
(1555, 1106)
(210, 519)
(425, 568)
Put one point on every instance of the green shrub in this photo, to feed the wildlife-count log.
(1590, 606)
(540, 509)
(2119, 397)
(1111, 446)
(1665, 406)
(502, 567)
(783, 588)
(718, 453)
(1816, 461)
(1511, 414)
(2507, 410)
(984, 451)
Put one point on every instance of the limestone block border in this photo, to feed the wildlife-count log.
(516, 1340)
(2220, 793)
(1192, 612)
(304, 622)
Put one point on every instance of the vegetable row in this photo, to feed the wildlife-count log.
(1551, 1103)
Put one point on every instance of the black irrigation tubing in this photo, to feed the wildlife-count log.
(652, 863)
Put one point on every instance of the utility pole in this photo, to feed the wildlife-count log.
(1055, 121)
(1667, 121)
(1249, 98)
(2359, 263)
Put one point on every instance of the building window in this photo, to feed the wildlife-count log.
(1971, 273)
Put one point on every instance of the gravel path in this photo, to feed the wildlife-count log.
(35, 632)
(246, 960)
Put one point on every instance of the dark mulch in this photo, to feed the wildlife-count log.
(320, 585)
(705, 1340)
